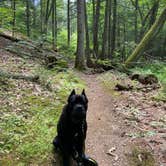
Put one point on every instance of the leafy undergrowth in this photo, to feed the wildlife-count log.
(159, 70)
(30, 111)
(141, 111)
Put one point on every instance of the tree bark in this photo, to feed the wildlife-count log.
(79, 62)
(87, 49)
(113, 36)
(150, 15)
(109, 30)
(147, 38)
(28, 17)
(68, 22)
(12, 38)
(19, 76)
(14, 16)
(136, 20)
(34, 14)
(154, 13)
(96, 27)
(105, 33)
(54, 28)
(47, 16)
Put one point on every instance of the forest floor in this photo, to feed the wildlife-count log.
(125, 128)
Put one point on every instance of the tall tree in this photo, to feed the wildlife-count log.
(34, 14)
(113, 36)
(154, 13)
(96, 27)
(47, 14)
(87, 49)
(14, 16)
(28, 17)
(80, 59)
(54, 24)
(147, 38)
(109, 30)
(41, 16)
(68, 22)
(106, 29)
(136, 21)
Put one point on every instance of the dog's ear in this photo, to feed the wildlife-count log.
(83, 93)
(71, 94)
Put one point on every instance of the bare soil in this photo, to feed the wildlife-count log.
(109, 138)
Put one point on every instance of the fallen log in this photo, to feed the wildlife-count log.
(34, 78)
(128, 87)
(145, 78)
(120, 87)
(14, 39)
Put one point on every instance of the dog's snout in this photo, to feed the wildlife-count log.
(79, 106)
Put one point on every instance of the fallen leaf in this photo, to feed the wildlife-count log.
(110, 152)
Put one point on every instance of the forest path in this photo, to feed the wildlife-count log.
(105, 127)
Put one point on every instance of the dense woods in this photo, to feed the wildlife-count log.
(119, 50)
(109, 29)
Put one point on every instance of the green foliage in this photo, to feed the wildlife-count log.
(28, 122)
(5, 16)
(62, 43)
(105, 62)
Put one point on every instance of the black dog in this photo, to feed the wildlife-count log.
(71, 129)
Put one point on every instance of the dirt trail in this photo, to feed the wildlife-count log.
(105, 128)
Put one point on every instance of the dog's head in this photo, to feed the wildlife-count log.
(78, 105)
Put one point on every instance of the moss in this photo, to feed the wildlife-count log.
(141, 157)
(26, 136)
(146, 39)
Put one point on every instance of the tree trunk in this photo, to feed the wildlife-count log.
(47, 16)
(41, 16)
(118, 33)
(136, 14)
(28, 17)
(96, 27)
(93, 22)
(79, 62)
(109, 30)
(14, 16)
(34, 78)
(12, 38)
(68, 22)
(154, 13)
(105, 33)
(113, 36)
(34, 14)
(149, 16)
(123, 53)
(147, 38)
(54, 28)
(87, 49)
(56, 21)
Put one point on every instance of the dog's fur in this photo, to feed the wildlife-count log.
(71, 128)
